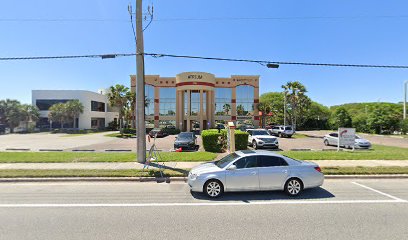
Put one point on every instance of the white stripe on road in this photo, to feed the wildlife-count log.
(92, 205)
(382, 193)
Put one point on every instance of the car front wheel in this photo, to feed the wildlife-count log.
(326, 142)
(293, 187)
(213, 188)
(254, 145)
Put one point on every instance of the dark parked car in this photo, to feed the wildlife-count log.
(186, 141)
(158, 132)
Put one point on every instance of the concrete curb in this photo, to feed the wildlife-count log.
(174, 179)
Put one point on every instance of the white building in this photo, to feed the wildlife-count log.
(97, 112)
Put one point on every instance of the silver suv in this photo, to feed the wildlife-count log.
(282, 131)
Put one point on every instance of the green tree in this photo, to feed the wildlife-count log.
(10, 113)
(226, 107)
(316, 117)
(73, 109)
(404, 126)
(29, 113)
(240, 110)
(265, 108)
(275, 100)
(297, 102)
(119, 96)
(58, 113)
(341, 118)
(383, 119)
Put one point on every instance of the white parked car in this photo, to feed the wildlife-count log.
(254, 171)
(333, 138)
(282, 131)
(260, 138)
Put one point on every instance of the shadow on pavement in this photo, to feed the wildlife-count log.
(314, 193)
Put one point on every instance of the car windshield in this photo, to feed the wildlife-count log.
(259, 132)
(358, 137)
(185, 136)
(223, 162)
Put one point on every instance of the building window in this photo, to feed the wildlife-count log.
(195, 103)
(97, 106)
(245, 100)
(149, 106)
(167, 104)
(223, 98)
(45, 104)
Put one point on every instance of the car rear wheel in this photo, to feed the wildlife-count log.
(293, 187)
(213, 188)
(254, 145)
(326, 142)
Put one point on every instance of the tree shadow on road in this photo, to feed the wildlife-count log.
(314, 193)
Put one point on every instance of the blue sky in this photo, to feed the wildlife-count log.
(337, 31)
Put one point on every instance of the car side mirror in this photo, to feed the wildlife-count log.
(232, 167)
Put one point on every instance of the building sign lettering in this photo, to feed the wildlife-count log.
(195, 76)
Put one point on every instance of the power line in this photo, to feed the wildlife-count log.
(158, 55)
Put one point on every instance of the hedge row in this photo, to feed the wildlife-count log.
(216, 142)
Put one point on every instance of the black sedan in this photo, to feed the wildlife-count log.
(186, 141)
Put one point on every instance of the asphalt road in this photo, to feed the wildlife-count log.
(341, 209)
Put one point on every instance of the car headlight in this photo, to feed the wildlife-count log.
(192, 142)
(193, 176)
(260, 141)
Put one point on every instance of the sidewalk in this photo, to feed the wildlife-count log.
(186, 165)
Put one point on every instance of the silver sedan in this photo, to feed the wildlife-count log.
(254, 171)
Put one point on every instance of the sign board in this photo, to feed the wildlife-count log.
(231, 137)
(347, 137)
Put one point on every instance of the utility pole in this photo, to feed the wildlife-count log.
(140, 82)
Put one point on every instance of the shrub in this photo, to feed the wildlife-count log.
(211, 140)
(129, 131)
(241, 140)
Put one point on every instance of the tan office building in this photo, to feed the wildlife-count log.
(198, 100)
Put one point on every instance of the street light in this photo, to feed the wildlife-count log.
(272, 65)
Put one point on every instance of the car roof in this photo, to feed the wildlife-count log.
(257, 129)
(257, 152)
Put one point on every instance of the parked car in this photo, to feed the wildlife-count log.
(260, 138)
(158, 132)
(333, 138)
(4, 129)
(20, 130)
(186, 141)
(282, 131)
(249, 170)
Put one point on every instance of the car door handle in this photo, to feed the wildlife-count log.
(285, 171)
(253, 173)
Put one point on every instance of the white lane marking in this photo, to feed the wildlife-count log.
(91, 205)
(379, 192)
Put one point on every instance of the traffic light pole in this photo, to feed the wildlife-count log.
(140, 82)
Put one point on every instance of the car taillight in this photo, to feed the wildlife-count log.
(318, 169)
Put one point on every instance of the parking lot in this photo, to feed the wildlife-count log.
(100, 143)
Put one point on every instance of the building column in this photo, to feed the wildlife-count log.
(156, 106)
(188, 110)
(234, 104)
(256, 111)
(210, 108)
(201, 116)
(179, 109)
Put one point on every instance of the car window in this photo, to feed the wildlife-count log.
(246, 162)
(288, 128)
(271, 161)
(334, 134)
(226, 160)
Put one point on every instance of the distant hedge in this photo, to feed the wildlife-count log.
(216, 142)
(171, 131)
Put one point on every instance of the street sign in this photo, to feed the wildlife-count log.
(347, 137)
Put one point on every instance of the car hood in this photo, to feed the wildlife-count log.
(205, 168)
(265, 136)
(362, 140)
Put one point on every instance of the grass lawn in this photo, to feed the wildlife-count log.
(54, 157)
(12, 173)
(299, 135)
(79, 134)
(118, 135)
(379, 152)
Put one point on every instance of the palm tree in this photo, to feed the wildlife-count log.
(297, 100)
(10, 113)
(29, 113)
(240, 110)
(58, 113)
(73, 109)
(226, 107)
(265, 108)
(119, 96)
